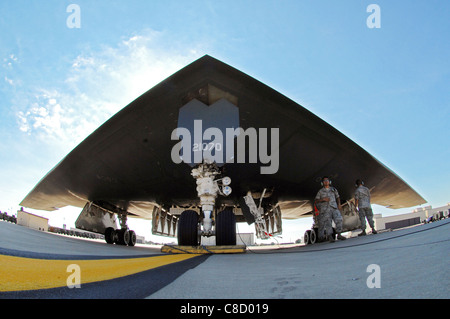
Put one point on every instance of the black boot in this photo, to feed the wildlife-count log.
(363, 233)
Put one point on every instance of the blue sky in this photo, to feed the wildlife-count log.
(385, 88)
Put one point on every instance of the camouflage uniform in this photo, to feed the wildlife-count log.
(328, 211)
(362, 194)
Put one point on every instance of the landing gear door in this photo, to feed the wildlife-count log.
(95, 219)
(249, 218)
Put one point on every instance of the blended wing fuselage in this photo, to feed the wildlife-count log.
(144, 156)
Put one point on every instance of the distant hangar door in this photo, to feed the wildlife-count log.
(403, 223)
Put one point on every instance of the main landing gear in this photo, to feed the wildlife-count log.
(310, 237)
(122, 236)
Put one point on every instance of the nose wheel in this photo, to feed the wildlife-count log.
(187, 230)
(226, 228)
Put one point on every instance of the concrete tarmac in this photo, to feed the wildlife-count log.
(411, 263)
(26, 242)
(40, 265)
(408, 263)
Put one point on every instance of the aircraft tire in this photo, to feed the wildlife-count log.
(123, 237)
(306, 237)
(187, 229)
(313, 236)
(132, 240)
(226, 228)
(109, 235)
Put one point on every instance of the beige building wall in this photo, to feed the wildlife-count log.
(32, 221)
(423, 213)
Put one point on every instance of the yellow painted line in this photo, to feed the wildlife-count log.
(18, 273)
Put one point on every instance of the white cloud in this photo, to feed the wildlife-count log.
(9, 81)
(99, 84)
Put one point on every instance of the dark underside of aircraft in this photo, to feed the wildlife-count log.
(206, 148)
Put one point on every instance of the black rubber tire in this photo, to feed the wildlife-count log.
(187, 229)
(306, 237)
(132, 240)
(313, 236)
(109, 235)
(123, 237)
(226, 228)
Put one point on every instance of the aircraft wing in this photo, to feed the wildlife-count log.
(128, 160)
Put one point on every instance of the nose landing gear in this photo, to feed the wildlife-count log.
(190, 230)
